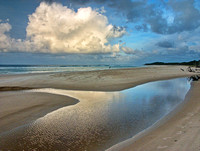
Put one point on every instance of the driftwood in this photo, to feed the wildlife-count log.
(194, 78)
(189, 69)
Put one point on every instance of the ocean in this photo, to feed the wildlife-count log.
(24, 69)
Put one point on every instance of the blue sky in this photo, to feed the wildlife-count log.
(126, 32)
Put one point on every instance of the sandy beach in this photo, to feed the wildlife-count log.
(18, 108)
(178, 133)
(83, 75)
(104, 80)
(181, 132)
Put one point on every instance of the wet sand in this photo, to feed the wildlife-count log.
(180, 132)
(18, 108)
(32, 106)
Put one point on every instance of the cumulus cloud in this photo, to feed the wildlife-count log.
(56, 28)
(11, 44)
(4, 38)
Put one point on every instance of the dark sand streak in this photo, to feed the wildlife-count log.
(18, 108)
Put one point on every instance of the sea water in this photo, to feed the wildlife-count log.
(23, 69)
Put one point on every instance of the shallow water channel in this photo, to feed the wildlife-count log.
(100, 120)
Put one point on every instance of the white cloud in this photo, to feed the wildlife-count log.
(56, 28)
(134, 52)
(4, 38)
(7, 43)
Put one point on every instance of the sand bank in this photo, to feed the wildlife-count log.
(105, 80)
(18, 108)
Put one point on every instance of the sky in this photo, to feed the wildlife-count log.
(114, 32)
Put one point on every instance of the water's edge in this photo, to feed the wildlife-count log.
(163, 119)
(160, 122)
(144, 132)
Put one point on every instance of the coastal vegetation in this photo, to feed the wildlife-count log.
(190, 63)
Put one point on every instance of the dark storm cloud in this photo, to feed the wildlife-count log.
(165, 44)
(185, 17)
(131, 9)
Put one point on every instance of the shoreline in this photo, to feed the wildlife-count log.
(163, 135)
(122, 146)
(103, 80)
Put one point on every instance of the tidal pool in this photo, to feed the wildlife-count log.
(100, 120)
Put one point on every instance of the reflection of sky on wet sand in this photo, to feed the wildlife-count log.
(100, 119)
